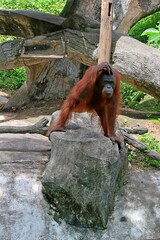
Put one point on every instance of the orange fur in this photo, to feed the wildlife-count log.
(84, 97)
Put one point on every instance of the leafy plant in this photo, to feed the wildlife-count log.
(150, 141)
(12, 79)
(155, 119)
(145, 23)
(48, 6)
(131, 156)
(130, 96)
(142, 160)
(153, 35)
(148, 103)
(7, 38)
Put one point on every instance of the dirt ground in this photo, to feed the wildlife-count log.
(38, 108)
(153, 128)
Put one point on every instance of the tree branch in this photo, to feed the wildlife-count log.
(39, 127)
(134, 130)
(66, 43)
(140, 146)
(28, 23)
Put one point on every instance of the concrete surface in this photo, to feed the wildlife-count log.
(25, 215)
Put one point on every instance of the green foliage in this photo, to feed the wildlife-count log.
(145, 23)
(7, 38)
(48, 6)
(130, 96)
(12, 79)
(132, 156)
(138, 100)
(148, 103)
(142, 160)
(155, 119)
(150, 141)
(153, 35)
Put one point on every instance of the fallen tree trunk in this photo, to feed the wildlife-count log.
(28, 23)
(66, 43)
(140, 146)
(39, 127)
(134, 130)
(126, 12)
(134, 61)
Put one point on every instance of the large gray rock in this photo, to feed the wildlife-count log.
(25, 215)
(83, 173)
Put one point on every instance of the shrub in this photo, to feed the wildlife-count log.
(153, 35)
(12, 79)
(145, 23)
(130, 96)
(142, 160)
(48, 6)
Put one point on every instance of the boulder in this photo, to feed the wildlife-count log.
(83, 173)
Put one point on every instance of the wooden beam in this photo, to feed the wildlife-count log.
(65, 43)
(105, 39)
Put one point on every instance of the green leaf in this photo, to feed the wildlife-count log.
(154, 37)
(149, 31)
(158, 46)
(158, 42)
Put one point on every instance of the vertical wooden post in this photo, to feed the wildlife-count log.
(105, 38)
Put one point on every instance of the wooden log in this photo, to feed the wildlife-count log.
(140, 146)
(105, 39)
(75, 44)
(28, 23)
(153, 154)
(134, 130)
(39, 127)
